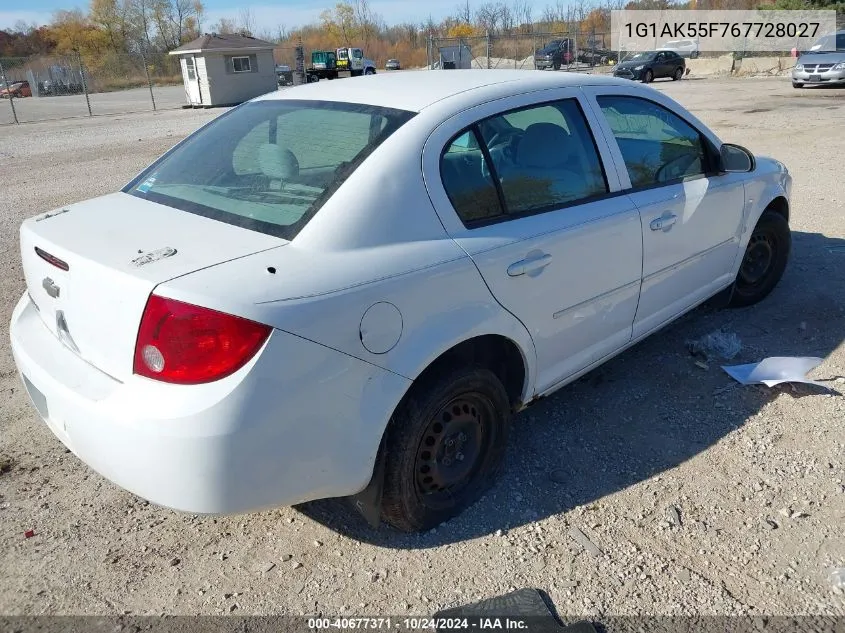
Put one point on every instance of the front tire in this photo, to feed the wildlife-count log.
(648, 77)
(445, 446)
(764, 260)
(556, 65)
(797, 84)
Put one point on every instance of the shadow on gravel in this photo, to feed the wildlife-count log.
(644, 412)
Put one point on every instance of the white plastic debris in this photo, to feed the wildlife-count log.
(837, 578)
(775, 370)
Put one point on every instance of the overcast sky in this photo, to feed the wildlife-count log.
(290, 13)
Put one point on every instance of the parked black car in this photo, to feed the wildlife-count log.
(555, 54)
(651, 65)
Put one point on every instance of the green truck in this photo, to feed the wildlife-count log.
(323, 66)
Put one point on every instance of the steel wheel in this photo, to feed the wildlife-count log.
(759, 255)
(450, 452)
(445, 445)
(764, 260)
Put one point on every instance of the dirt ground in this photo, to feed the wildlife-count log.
(703, 496)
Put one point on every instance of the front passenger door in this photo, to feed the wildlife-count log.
(662, 66)
(692, 218)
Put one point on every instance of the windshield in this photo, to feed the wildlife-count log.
(268, 165)
(829, 44)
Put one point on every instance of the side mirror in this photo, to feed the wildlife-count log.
(735, 159)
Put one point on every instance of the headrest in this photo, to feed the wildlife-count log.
(544, 145)
(277, 162)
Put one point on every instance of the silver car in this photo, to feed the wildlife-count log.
(824, 63)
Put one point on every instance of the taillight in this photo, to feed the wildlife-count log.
(186, 344)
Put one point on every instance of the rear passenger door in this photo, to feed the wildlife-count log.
(521, 187)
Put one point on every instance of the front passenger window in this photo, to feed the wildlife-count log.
(657, 146)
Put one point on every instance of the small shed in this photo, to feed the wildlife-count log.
(455, 57)
(226, 69)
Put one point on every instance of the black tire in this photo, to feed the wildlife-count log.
(678, 74)
(648, 77)
(556, 65)
(797, 84)
(426, 481)
(764, 260)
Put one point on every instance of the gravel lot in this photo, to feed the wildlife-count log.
(756, 476)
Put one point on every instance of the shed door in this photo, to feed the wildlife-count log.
(192, 82)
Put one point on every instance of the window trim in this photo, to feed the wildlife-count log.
(504, 216)
(710, 151)
(248, 63)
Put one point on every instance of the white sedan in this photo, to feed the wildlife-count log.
(348, 289)
(684, 48)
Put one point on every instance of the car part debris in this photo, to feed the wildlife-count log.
(674, 515)
(579, 537)
(527, 606)
(721, 344)
(775, 370)
(837, 578)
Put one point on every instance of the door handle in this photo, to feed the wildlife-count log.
(529, 265)
(664, 222)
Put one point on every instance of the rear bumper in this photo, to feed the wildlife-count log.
(299, 422)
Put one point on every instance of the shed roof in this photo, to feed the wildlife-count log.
(222, 42)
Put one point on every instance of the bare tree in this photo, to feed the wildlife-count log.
(140, 20)
(521, 11)
(507, 18)
(247, 21)
(366, 20)
(464, 13)
(487, 17)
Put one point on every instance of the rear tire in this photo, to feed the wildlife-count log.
(764, 260)
(445, 445)
(648, 77)
(679, 73)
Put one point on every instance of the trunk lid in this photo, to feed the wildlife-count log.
(117, 249)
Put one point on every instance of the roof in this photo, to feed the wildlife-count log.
(416, 90)
(222, 42)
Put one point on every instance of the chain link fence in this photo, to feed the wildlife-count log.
(49, 87)
(573, 50)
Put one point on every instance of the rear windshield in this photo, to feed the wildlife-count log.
(268, 165)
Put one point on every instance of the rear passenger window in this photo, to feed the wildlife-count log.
(469, 186)
(544, 157)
